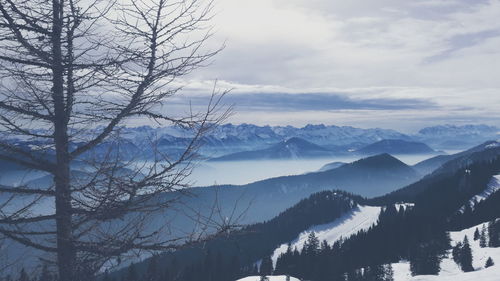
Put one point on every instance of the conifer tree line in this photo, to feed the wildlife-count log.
(363, 257)
(494, 234)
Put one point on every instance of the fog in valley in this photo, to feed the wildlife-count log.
(243, 172)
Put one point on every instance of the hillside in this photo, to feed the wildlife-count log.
(367, 177)
(396, 146)
(368, 233)
(264, 199)
(450, 271)
(455, 169)
(293, 148)
(360, 218)
(431, 164)
(244, 247)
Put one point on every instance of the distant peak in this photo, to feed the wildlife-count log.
(314, 127)
(382, 159)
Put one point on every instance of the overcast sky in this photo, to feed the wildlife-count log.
(386, 63)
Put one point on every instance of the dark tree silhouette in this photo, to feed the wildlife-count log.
(72, 72)
(266, 266)
(489, 262)
(476, 234)
(483, 238)
(466, 256)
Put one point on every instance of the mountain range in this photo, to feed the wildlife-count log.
(141, 142)
(230, 138)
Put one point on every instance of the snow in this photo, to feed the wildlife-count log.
(404, 205)
(493, 186)
(271, 278)
(360, 218)
(493, 145)
(450, 271)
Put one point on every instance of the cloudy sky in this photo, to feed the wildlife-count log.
(385, 63)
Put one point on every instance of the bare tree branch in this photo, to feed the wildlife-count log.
(72, 74)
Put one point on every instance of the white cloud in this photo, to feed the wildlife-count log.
(444, 51)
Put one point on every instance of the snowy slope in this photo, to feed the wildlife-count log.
(360, 218)
(271, 278)
(493, 186)
(450, 270)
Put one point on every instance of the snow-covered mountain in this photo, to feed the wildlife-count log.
(457, 137)
(229, 138)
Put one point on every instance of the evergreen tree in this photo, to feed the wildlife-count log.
(255, 270)
(494, 234)
(482, 238)
(324, 246)
(456, 251)
(489, 262)
(476, 234)
(266, 266)
(375, 273)
(389, 273)
(425, 259)
(466, 256)
(312, 245)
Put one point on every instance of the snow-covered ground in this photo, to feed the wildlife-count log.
(493, 186)
(271, 278)
(360, 218)
(450, 271)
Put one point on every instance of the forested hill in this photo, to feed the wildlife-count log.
(452, 177)
(230, 256)
(418, 233)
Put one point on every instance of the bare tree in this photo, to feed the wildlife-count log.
(71, 73)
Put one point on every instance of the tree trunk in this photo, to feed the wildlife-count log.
(65, 247)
